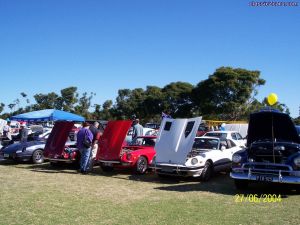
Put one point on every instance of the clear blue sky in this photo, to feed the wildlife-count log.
(106, 45)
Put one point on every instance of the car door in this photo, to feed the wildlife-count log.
(175, 140)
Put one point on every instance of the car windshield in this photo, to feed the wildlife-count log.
(203, 143)
(140, 141)
(218, 135)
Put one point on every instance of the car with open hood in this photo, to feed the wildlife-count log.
(58, 148)
(272, 153)
(115, 152)
(189, 155)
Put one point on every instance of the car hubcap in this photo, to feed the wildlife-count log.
(142, 165)
(38, 156)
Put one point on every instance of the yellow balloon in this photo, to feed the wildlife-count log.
(272, 98)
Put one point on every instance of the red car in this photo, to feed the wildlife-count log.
(112, 153)
(58, 148)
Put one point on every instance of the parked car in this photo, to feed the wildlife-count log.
(208, 155)
(138, 155)
(174, 142)
(272, 153)
(111, 143)
(58, 149)
(232, 135)
(28, 151)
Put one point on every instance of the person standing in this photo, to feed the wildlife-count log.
(96, 136)
(137, 131)
(23, 133)
(7, 131)
(84, 144)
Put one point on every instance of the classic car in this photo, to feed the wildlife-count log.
(111, 143)
(272, 153)
(174, 142)
(58, 148)
(232, 135)
(206, 156)
(27, 151)
(138, 155)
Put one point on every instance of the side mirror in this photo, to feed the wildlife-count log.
(223, 148)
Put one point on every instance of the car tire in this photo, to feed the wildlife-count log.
(38, 156)
(106, 168)
(241, 184)
(142, 165)
(207, 171)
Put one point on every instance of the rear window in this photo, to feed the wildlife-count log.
(218, 135)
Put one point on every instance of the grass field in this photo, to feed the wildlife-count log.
(39, 194)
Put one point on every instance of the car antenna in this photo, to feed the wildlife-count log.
(273, 139)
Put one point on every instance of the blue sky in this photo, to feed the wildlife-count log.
(105, 45)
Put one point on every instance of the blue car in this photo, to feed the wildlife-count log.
(27, 151)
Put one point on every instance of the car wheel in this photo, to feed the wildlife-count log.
(38, 156)
(241, 184)
(106, 168)
(142, 165)
(207, 171)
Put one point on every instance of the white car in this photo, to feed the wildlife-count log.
(232, 135)
(179, 153)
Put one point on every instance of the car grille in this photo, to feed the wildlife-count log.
(268, 168)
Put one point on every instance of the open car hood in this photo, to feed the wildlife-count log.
(175, 140)
(112, 140)
(57, 139)
(271, 125)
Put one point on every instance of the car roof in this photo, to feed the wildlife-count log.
(209, 137)
(223, 131)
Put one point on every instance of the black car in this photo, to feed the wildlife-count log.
(272, 153)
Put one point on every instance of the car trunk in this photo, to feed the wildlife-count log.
(57, 139)
(175, 140)
(112, 140)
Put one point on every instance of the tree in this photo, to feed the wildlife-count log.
(84, 104)
(46, 101)
(2, 105)
(227, 93)
(69, 97)
(177, 99)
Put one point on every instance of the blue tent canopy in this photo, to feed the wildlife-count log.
(48, 115)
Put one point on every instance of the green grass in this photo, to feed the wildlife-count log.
(39, 194)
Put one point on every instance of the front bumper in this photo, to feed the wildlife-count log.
(256, 172)
(177, 170)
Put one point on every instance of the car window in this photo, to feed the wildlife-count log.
(231, 144)
(223, 143)
(233, 136)
(210, 144)
(239, 137)
(218, 135)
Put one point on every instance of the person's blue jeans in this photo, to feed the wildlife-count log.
(85, 159)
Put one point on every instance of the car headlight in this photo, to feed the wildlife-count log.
(194, 161)
(236, 158)
(297, 161)
(128, 157)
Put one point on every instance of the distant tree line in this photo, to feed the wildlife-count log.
(227, 94)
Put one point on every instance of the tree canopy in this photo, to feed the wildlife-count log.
(228, 94)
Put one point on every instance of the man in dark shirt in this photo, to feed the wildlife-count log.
(96, 135)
